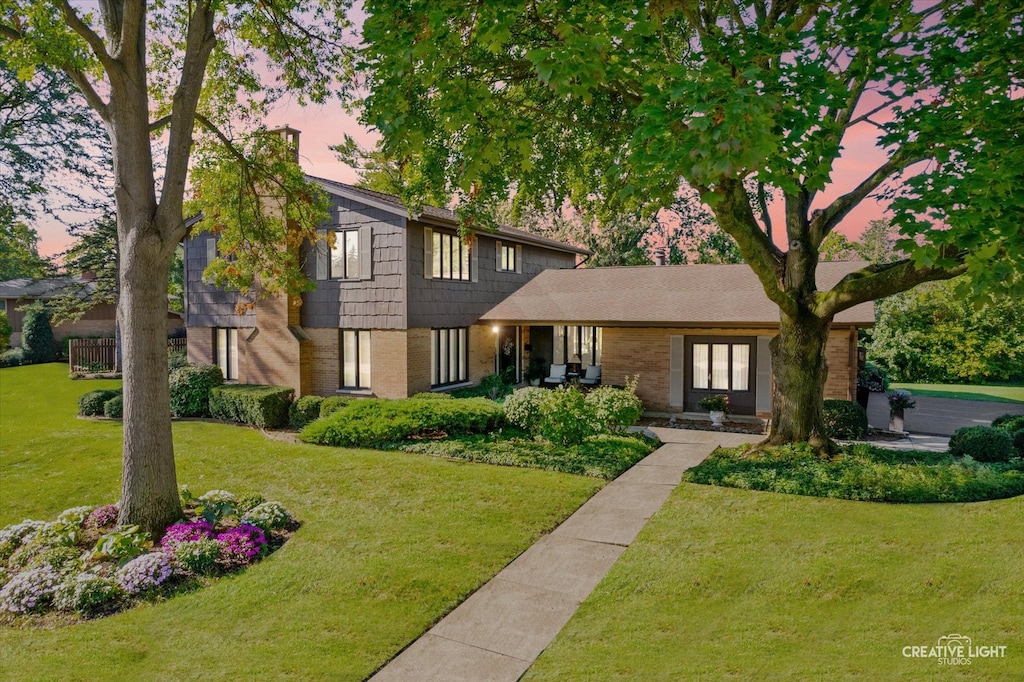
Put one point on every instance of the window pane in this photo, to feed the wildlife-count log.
(437, 254)
(222, 351)
(435, 336)
(338, 255)
(587, 347)
(348, 358)
(443, 353)
(597, 346)
(352, 254)
(364, 359)
(740, 367)
(233, 353)
(720, 366)
(559, 350)
(463, 354)
(464, 249)
(453, 355)
(700, 365)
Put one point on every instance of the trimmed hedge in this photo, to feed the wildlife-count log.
(333, 403)
(265, 407)
(845, 419)
(1009, 422)
(91, 404)
(983, 443)
(375, 422)
(190, 389)
(114, 408)
(304, 410)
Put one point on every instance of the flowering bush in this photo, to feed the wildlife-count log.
(247, 502)
(242, 545)
(616, 408)
(714, 403)
(144, 573)
(189, 531)
(58, 534)
(74, 516)
(566, 418)
(101, 517)
(61, 559)
(216, 505)
(88, 593)
(522, 407)
(900, 400)
(268, 516)
(30, 590)
(14, 536)
(197, 556)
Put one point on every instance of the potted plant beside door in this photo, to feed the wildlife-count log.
(716, 405)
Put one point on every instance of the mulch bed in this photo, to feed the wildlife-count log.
(705, 425)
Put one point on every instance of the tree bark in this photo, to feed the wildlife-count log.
(800, 370)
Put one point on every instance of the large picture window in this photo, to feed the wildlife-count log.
(225, 348)
(354, 346)
(451, 257)
(577, 340)
(449, 356)
(345, 255)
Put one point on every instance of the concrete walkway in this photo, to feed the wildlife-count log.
(501, 629)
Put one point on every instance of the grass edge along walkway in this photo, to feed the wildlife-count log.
(500, 630)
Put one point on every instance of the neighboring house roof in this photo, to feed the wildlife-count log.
(669, 295)
(46, 288)
(437, 216)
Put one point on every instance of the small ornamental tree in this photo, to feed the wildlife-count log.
(37, 335)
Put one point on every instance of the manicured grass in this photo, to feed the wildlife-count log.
(727, 584)
(390, 542)
(996, 394)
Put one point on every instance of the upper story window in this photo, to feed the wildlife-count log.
(345, 255)
(508, 257)
(451, 257)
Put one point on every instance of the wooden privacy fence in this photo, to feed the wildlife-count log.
(97, 355)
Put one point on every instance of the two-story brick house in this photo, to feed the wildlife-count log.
(395, 311)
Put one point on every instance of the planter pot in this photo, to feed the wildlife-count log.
(535, 382)
(896, 420)
(716, 417)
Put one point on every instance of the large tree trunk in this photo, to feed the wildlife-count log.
(800, 370)
(149, 487)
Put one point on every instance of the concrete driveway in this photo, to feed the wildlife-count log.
(940, 416)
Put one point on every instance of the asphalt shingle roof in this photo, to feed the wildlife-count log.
(45, 288)
(681, 295)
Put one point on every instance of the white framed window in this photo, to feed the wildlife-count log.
(720, 366)
(354, 358)
(449, 356)
(450, 257)
(508, 257)
(345, 255)
(225, 348)
(573, 340)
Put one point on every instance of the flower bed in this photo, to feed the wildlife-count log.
(82, 564)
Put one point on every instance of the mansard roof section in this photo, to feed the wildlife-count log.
(442, 217)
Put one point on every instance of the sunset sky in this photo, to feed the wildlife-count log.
(323, 126)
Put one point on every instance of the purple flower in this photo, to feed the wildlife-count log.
(101, 517)
(242, 544)
(186, 532)
(144, 572)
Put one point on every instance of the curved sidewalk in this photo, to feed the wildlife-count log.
(500, 630)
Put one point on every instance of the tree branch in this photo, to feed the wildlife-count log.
(825, 221)
(880, 280)
(93, 40)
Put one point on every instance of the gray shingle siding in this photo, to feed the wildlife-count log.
(205, 304)
(440, 303)
(376, 302)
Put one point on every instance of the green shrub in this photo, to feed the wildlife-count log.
(88, 594)
(268, 516)
(375, 422)
(190, 389)
(982, 443)
(177, 359)
(432, 396)
(566, 417)
(265, 407)
(873, 378)
(1009, 422)
(522, 408)
(14, 357)
(845, 419)
(615, 408)
(114, 408)
(91, 404)
(332, 404)
(247, 502)
(197, 556)
(37, 335)
(5, 331)
(304, 410)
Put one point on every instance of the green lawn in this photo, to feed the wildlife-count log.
(390, 542)
(726, 584)
(998, 394)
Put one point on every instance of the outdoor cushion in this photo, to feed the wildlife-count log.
(556, 375)
(592, 376)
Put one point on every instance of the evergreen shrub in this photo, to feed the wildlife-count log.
(37, 335)
(333, 403)
(114, 408)
(845, 419)
(304, 410)
(265, 407)
(190, 389)
(91, 404)
(982, 443)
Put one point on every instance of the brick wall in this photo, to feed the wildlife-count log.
(389, 363)
(645, 351)
(273, 356)
(200, 346)
(323, 362)
(481, 352)
(419, 367)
